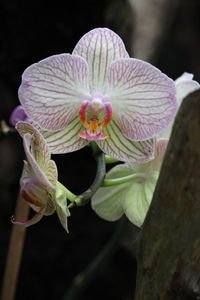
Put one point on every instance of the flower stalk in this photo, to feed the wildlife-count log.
(14, 253)
(85, 197)
(116, 181)
(69, 195)
(110, 160)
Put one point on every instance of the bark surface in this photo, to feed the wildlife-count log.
(168, 247)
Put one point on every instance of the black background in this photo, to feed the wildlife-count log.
(29, 32)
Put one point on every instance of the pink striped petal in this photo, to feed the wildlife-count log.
(118, 146)
(142, 98)
(161, 146)
(52, 172)
(38, 154)
(38, 171)
(43, 156)
(67, 139)
(53, 89)
(100, 47)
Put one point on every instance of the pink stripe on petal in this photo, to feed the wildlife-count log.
(38, 171)
(67, 139)
(43, 156)
(118, 146)
(53, 89)
(100, 47)
(38, 154)
(142, 98)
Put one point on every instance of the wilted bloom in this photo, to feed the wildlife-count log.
(38, 184)
(99, 94)
(133, 197)
(18, 114)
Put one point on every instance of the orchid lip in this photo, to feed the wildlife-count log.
(31, 191)
(95, 116)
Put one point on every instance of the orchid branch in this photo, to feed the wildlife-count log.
(100, 174)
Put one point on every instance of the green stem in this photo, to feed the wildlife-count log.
(110, 160)
(69, 195)
(85, 197)
(116, 181)
(83, 279)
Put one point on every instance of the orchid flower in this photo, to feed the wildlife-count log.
(38, 185)
(98, 93)
(133, 197)
(18, 114)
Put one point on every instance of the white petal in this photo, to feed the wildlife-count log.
(142, 98)
(67, 139)
(53, 89)
(61, 208)
(118, 171)
(120, 147)
(100, 47)
(138, 199)
(135, 204)
(184, 86)
(150, 185)
(107, 201)
(184, 77)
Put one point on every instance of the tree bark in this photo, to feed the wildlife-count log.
(168, 246)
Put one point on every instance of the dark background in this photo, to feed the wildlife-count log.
(31, 31)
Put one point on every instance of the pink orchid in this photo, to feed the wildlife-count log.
(98, 93)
